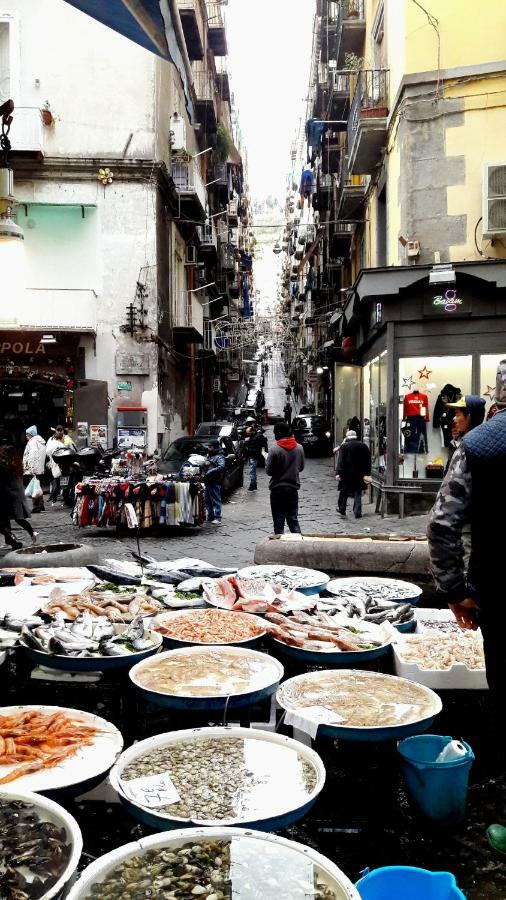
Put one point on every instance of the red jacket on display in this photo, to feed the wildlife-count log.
(416, 404)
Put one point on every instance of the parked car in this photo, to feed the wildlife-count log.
(208, 430)
(313, 433)
(183, 447)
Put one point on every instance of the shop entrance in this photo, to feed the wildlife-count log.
(30, 402)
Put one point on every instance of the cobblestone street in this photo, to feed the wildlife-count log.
(246, 516)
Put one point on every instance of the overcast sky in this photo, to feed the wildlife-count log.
(269, 45)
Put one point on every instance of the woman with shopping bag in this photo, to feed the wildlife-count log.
(56, 442)
(34, 462)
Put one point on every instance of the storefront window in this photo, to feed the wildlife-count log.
(374, 406)
(427, 384)
(488, 370)
(347, 401)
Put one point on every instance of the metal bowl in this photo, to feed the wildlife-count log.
(364, 733)
(394, 588)
(76, 773)
(275, 814)
(316, 581)
(92, 663)
(273, 674)
(56, 814)
(173, 642)
(259, 846)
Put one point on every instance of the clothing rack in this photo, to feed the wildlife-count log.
(166, 501)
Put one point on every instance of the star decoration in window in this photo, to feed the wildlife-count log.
(408, 382)
(490, 392)
(424, 373)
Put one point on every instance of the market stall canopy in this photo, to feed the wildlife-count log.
(144, 23)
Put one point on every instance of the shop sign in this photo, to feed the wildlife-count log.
(449, 302)
(18, 345)
(124, 385)
(132, 438)
(132, 364)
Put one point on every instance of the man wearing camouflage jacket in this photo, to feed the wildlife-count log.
(473, 494)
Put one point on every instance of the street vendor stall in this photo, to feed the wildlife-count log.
(157, 500)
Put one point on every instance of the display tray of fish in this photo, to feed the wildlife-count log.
(118, 605)
(11, 625)
(208, 678)
(401, 615)
(253, 594)
(360, 705)
(27, 577)
(89, 642)
(226, 776)
(363, 589)
(47, 748)
(146, 569)
(318, 637)
(40, 846)
(209, 626)
(214, 864)
(293, 578)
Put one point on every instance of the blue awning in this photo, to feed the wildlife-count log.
(148, 27)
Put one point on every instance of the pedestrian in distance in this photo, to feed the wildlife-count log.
(213, 477)
(287, 409)
(296, 392)
(34, 461)
(288, 391)
(14, 498)
(284, 463)
(353, 473)
(56, 442)
(254, 444)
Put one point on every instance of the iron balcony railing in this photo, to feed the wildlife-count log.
(346, 180)
(349, 10)
(340, 80)
(188, 180)
(370, 99)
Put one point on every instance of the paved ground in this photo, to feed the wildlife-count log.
(246, 516)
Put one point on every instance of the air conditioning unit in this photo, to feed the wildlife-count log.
(177, 133)
(494, 200)
(191, 255)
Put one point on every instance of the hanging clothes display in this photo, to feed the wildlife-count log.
(416, 415)
(157, 501)
(443, 417)
(416, 404)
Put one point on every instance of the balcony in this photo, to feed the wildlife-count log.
(340, 86)
(227, 257)
(367, 126)
(216, 28)
(190, 188)
(208, 249)
(27, 132)
(223, 85)
(340, 241)
(351, 191)
(193, 27)
(188, 321)
(205, 106)
(233, 213)
(350, 29)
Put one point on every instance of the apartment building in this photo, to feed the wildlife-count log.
(404, 125)
(127, 183)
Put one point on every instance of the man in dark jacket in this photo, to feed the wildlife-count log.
(284, 462)
(353, 472)
(213, 476)
(254, 443)
(473, 493)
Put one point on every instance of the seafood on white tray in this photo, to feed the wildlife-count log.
(433, 650)
(290, 577)
(88, 636)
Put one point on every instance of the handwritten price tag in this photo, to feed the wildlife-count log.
(152, 790)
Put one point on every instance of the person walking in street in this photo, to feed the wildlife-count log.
(288, 391)
(254, 444)
(213, 477)
(14, 492)
(56, 442)
(287, 409)
(34, 461)
(296, 392)
(284, 463)
(353, 473)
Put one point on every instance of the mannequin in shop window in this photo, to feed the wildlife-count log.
(443, 415)
(414, 427)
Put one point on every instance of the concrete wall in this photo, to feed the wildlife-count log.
(100, 87)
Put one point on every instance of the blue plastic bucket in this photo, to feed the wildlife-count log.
(407, 883)
(438, 790)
